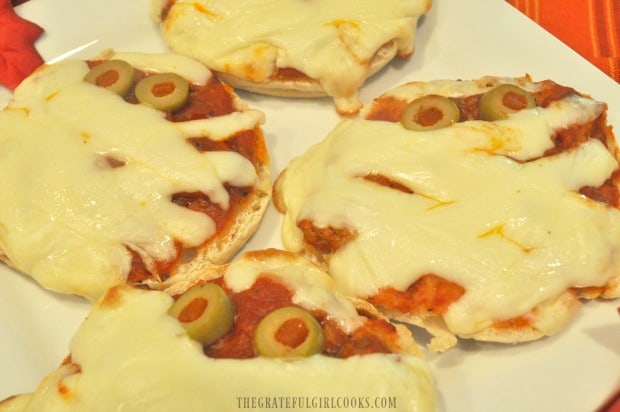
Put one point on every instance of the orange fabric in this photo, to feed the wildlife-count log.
(590, 27)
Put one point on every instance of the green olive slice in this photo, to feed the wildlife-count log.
(163, 91)
(114, 75)
(429, 113)
(205, 311)
(503, 100)
(288, 332)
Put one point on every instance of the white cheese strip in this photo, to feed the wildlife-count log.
(513, 234)
(64, 210)
(313, 288)
(331, 41)
(134, 357)
(189, 68)
(454, 88)
(220, 128)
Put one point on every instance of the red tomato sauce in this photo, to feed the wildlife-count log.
(268, 294)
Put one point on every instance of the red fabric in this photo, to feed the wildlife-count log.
(18, 55)
(590, 27)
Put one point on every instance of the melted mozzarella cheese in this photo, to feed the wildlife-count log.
(487, 212)
(134, 357)
(330, 41)
(65, 210)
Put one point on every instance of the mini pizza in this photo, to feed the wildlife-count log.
(128, 168)
(293, 48)
(479, 209)
(267, 326)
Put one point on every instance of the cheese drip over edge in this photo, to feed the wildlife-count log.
(330, 41)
